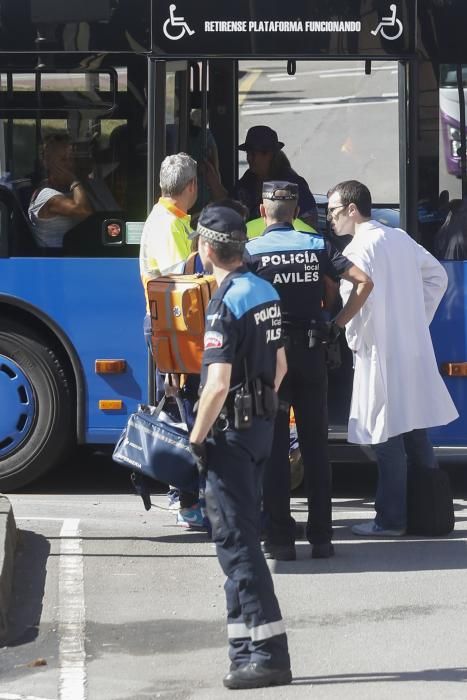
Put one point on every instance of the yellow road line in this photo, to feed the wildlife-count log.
(246, 84)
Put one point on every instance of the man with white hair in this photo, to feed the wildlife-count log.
(164, 242)
(164, 248)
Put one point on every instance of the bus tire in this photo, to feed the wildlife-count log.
(36, 421)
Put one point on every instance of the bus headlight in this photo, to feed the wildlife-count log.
(455, 148)
(454, 133)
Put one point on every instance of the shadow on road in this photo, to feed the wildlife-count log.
(28, 588)
(458, 674)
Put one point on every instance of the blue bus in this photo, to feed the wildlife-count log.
(125, 82)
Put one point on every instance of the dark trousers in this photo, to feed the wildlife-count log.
(233, 501)
(305, 388)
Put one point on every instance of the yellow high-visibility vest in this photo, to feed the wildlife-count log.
(256, 227)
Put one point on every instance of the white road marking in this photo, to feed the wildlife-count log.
(71, 614)
(319, 100)
(34, 517)
(303, 100)
(15, 696)
(333, 71)
(351, 74)
(309, 108)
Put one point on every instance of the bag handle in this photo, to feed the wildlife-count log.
(180, 406)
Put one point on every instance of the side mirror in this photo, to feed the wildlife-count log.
(112, 232)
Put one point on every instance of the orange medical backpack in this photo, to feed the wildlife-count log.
(177, 305)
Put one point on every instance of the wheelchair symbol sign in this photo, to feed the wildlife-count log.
(175, 27)
(390, 27)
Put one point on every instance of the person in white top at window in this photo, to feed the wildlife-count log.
(61, 201)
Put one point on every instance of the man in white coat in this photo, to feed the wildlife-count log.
(397, 389)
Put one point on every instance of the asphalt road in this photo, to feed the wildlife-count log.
(113, 603)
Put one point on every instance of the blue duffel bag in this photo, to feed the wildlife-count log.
(154, 445)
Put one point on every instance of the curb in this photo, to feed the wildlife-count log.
(8, 538)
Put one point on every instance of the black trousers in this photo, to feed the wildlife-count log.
(305, 388)
(236, 461)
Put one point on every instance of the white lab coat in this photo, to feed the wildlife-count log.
(397, 386)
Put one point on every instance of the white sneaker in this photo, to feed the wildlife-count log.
(371, 529)
(174, 499)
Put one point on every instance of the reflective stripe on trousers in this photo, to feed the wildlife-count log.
(257, 634)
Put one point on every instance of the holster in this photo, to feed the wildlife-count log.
(265, 403)
(270, 401)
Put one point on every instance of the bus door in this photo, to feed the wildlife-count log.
(338, 120)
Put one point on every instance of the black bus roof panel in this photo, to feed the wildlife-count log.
(289, 28)
(50, 26)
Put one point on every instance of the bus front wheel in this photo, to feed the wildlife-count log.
(36, 410)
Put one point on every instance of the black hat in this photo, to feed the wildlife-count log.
(222, 224)
(261, 138)
(279, 189)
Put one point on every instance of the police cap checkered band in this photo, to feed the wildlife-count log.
(280, 190)
(217, 236)
(222, 224)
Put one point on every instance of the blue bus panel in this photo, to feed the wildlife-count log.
(99, 305)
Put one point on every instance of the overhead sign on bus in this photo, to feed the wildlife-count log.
(274, 28)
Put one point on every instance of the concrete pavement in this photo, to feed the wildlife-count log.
(382, 619)
(7, 554)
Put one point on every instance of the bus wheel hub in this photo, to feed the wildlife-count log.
(17, 406)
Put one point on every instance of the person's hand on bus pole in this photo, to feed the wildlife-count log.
(213, 180)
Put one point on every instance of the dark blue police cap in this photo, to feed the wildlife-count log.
(222, 224)
(279, 189)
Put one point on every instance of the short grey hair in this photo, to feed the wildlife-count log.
(176, 173)
(280, 209)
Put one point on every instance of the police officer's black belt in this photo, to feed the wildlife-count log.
(289, 323)
(231, 237)
(265, 402)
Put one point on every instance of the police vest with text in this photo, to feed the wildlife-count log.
(295, 262)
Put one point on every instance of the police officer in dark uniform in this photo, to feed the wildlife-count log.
(296, 263)
(243, 365)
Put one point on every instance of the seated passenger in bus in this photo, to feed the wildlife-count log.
(267, 161)
(60, 202)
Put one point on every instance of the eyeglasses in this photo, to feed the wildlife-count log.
(331, 210)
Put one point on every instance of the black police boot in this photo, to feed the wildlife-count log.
(255, 675)
(280, 552)
(322, 551)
